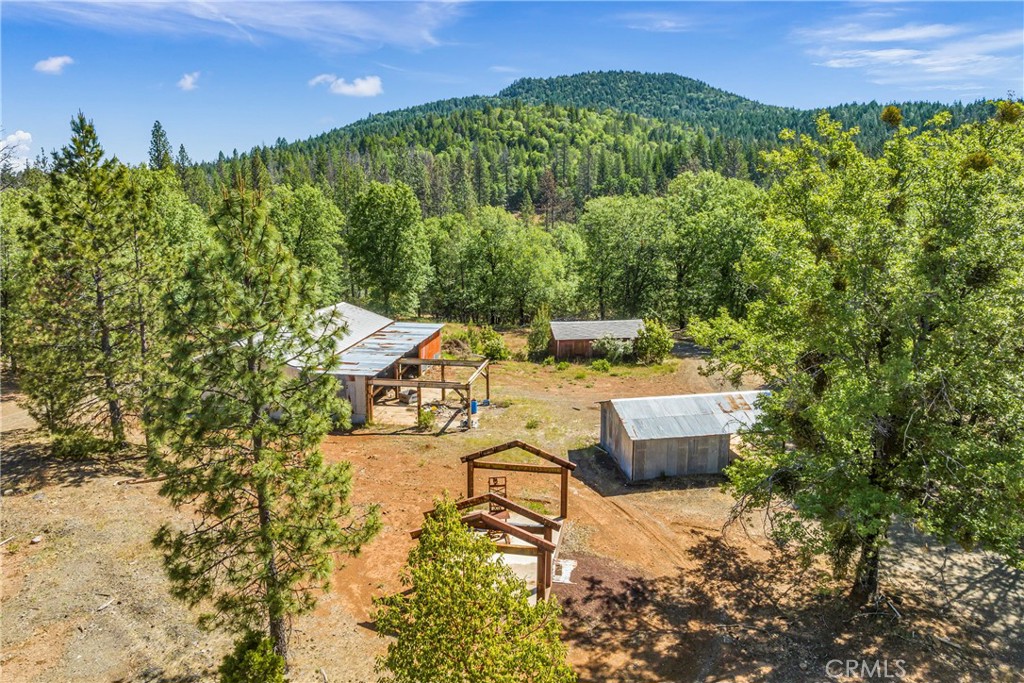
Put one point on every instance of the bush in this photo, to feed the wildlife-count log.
(601, 365)
(253, 661)
(653, 343)
(425, 420)
(532, 423)
(550, 360)
(615, 350)
(540, 333)
(488, 343)
(562, 365)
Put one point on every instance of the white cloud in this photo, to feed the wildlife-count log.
(346, 25)
(189, 81)
(53, 66)
(954, 57)
(16, 148)
(498, 69)
(368, 86)
(657, 22)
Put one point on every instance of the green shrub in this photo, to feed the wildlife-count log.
(601, 365)
(550, 360)
(563, 365)
(615, 350)
(253, 661)
(425, 420)
(532, 423)
(653, 343)
(582, 374)
(495, 349)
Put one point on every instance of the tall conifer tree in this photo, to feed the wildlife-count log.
(243, 434)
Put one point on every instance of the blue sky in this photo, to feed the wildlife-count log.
(226, 75)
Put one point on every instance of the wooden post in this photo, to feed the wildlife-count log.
(487, 379)
(419, 402)
(369, 400)
(469, 405)
(443, 391)
(540, 574)
(469, 479)
(398, 374)
(564, 507)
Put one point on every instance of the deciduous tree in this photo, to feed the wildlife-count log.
(888, 325)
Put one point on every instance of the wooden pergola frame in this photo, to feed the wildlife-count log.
(543, 548)
(463, 389)
(560, 466)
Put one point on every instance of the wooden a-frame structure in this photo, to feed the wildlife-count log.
(542, 547)
(559, 466)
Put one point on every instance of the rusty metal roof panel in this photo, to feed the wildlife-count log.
(687, 415)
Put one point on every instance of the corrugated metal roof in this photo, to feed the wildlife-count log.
(380, 350)
(361, 323)
(564, 330)
(687, 415)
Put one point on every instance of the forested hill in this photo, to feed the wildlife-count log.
(553, 143)
(676, 98)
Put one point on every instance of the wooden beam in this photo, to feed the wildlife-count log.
(490, 497)
(501, 525)
(475, 375)
(522, 445)
(469, 479)
(510, 549)
(414, 383)
(519, 467)
(443, 390)
(443, 362)
(487, 377)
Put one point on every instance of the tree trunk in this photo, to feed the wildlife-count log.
(865, 582)
(275, 617)
(113, 402)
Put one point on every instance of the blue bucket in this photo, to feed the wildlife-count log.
(472, 407)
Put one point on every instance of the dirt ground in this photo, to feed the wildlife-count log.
(660, 593)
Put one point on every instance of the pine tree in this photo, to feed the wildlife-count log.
(467, 618)
(243, 433)
(76, 333)
(159, 148)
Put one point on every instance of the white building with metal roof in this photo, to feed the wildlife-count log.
(370, 345)
(657, 436)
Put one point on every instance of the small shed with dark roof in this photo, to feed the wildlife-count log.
(574, 339)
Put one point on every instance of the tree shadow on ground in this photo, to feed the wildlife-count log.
(732, 616)
(29, 463)
(686, 348)
(596, 469)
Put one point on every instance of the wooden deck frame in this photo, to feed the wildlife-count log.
(464, 390)
(540, 547)
(562, 467)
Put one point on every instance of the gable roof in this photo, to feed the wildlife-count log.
(687, 415)
(522, 445)
(565, 330)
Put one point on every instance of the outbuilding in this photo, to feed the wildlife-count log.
(575, 339)
(371, 346)
(660, 436)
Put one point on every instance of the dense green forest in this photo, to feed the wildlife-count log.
(552, 144)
